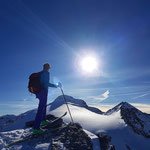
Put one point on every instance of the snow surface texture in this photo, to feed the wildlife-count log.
(127, 126)
(11, 122)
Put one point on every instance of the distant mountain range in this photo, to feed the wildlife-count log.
(128, 126)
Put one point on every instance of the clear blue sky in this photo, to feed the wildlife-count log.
(56, 31)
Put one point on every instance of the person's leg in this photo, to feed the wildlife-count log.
(44, 105)
(39, 115)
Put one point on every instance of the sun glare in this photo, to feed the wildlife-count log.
(89, 64)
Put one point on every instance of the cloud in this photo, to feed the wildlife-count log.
(142, 107)
(101, 97)
(18, 106)
(104, 107)
(145, 94)
(104, 95)
(127, 94)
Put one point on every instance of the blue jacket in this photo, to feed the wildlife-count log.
(44, 79)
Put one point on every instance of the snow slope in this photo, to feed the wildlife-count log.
(16, 122)
(119, 123)
(75, 102)
(137, 120)
(113, 123)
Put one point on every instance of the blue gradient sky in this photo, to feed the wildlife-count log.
(57, 32)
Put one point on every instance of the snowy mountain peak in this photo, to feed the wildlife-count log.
(114, 109)
(121, 106)
(137, 120)
(119, 123)
(60, 100)
(126, 105)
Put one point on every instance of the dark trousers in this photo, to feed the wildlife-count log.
(41, 112)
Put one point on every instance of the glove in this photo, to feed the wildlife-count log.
(59, 85)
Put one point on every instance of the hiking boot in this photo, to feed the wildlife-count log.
(44, 123)
(37, 131)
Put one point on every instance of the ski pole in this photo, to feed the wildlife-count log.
(67, 105)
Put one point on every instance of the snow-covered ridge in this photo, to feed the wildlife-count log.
(12, 122)
(124, 123)
(122, 105)
(137, 120)
(6, 120)
(59, 101)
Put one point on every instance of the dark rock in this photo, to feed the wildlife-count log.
(105, 141)
(9, 121)
(112, 147)
(133, 117)
(74, 138)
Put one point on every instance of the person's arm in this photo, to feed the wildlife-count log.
(45, 80)
(52, 85)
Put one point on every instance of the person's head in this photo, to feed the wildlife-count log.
(46, 67)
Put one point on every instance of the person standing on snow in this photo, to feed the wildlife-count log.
(40, 118)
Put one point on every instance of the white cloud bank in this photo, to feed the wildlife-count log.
(101, 97)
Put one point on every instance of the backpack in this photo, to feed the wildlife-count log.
(34, 85)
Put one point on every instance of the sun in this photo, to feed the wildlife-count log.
(89, 64)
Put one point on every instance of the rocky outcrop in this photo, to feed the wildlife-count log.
(134, 118)
(73, 138)
(138, 121)
(105, 142)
